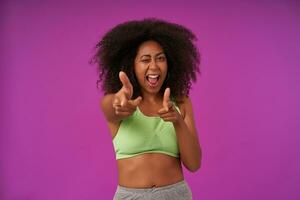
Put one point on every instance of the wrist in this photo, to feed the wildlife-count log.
(179, 122)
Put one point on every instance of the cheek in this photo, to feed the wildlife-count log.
(139, 73)
(164, 70)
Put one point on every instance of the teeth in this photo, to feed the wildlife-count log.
(153, 76)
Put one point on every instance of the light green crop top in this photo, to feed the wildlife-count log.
(139, 134)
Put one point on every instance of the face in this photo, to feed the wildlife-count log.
(150, 67)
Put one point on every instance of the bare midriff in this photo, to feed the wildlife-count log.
(149, 170)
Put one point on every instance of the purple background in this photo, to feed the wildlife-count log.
(54, 143)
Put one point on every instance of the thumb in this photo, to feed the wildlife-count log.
(137, 101)
(166, 99)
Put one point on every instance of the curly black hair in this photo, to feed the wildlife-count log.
(117, 50)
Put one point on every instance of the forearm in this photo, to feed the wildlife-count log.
(190, 150)
(108, 109)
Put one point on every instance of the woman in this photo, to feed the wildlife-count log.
(147, 67)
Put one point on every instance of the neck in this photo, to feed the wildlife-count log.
(150, 98)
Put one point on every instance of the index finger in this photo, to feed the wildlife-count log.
(166, 98)
(125, 80)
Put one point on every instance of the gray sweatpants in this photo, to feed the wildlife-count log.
(177, 191)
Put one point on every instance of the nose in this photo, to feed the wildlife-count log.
(153, 64)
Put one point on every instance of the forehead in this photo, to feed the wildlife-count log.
(149, 47)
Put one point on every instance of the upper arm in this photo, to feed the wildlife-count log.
(188, 115)
(104, 104)
(105, 107)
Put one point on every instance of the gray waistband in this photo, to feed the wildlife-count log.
(178, 184)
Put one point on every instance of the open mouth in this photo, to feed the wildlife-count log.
(152, 79)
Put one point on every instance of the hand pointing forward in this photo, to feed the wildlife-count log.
(168, 112)
(122, 102)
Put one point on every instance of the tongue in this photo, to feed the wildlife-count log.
(152, 80)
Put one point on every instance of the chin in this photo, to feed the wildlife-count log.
(153, 91)
(150, 90)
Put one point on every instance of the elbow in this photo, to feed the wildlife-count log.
(193, 165)
(194, 168)
(196, 164)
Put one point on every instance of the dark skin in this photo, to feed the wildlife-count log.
(153, 169)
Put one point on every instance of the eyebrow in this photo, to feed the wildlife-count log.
(150, 55)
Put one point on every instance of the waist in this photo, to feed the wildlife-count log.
(142, 190)
(149, 170)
